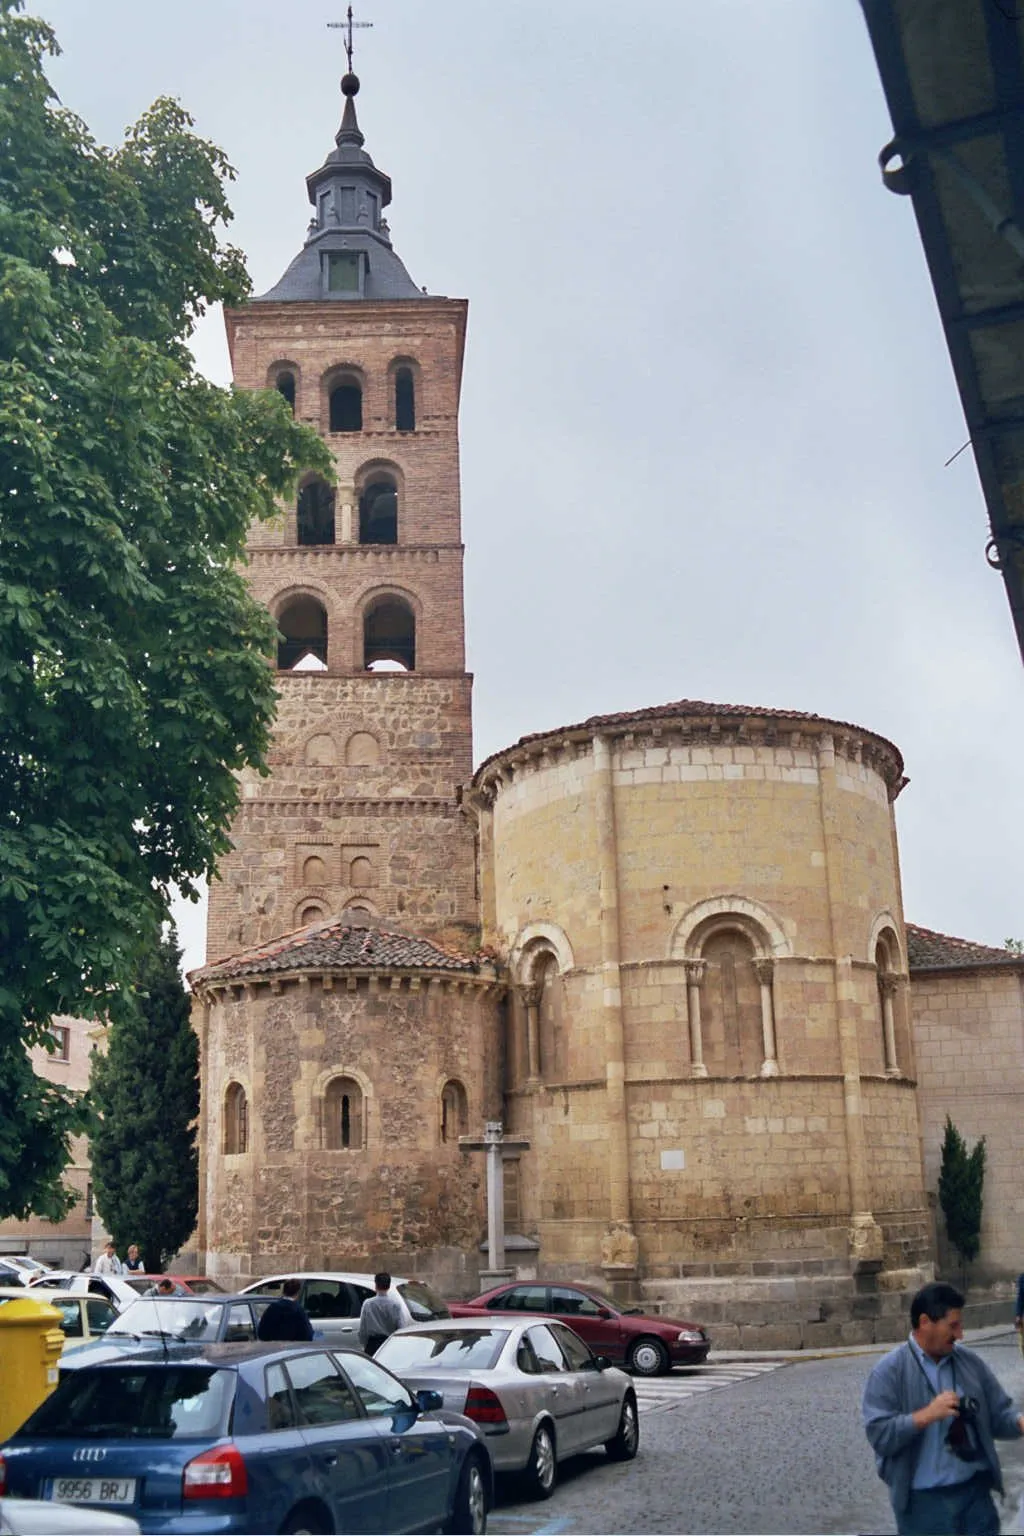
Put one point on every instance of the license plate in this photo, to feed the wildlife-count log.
(92, 1490)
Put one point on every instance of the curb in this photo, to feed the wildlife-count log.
(842, 1351)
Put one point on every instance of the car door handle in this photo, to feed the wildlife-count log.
(330, 1460)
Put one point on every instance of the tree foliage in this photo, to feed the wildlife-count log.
(961, 1181)
(133, 660)
(145, 1092)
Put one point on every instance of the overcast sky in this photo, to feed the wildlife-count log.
(707, 400)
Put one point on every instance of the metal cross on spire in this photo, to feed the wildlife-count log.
(346, 26)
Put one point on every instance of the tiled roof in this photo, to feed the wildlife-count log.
(691, 709)
(339, 944)
(931, 951)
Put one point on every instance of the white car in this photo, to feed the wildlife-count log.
(81, 1283)
(333, 1299)
(84, 1318)
(42, 1517)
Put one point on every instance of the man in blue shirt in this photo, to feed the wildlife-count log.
(932, 1413)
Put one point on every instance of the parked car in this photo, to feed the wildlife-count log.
(647, 1345)
(333, 1299)
(83, 1318)
(25, 1261)
(81, 1283)
(239, 1438)
(32, 1517)
(13, 1274)
(175, 1320)
(535, 1389)
(195, 1285)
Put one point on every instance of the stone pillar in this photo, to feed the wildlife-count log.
(346, 529)
(619, 1248)
(696, 970)
(531, 996)
(887, 985)
(764, 969)
(866, 1241)
(493, 1132)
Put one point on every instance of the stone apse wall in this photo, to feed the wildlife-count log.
(708, 1041)
(402, 1193)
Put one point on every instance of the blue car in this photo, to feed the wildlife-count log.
(252, 1437)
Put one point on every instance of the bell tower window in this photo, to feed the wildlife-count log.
(378, 513)
(315, 513)
(344, 272)
(405, 401)
(303, 643)
(389, 636)
(346, 408)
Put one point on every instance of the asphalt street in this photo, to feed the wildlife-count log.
(781, 1450)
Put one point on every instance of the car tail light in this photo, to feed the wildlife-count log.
(216, 1474)
(483, 1405)
(3, 1477)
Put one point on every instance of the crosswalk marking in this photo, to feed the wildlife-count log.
(654, 1393)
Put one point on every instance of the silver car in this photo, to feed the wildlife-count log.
(333, 1299)
(531, 1384)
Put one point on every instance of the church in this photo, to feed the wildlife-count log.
(665, 948)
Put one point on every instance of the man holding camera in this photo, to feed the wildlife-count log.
(932, 1412)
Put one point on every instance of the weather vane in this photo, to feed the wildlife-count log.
(346, 26)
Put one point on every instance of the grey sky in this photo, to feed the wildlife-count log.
(707, 401)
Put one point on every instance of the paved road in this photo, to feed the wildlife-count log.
(781, 1450)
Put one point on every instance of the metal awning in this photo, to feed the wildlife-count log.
(954, 81)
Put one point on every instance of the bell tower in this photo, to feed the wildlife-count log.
(372, 741)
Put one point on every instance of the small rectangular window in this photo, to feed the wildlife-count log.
(90, 1204)
(347, 199)
(62, 1036)
(343, 271)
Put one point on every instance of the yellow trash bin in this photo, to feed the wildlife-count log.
(30, 1344)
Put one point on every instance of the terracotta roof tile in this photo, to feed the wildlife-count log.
(931, 951)
(690, 709)
(339, 944)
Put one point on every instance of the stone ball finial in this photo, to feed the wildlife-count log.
(349, 84)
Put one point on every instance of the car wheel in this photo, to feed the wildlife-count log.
(625, 1443)
(648, 1357)
(306, 1519)
(469, 1516)
(542, 1469)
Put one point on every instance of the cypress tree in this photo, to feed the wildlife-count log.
(961, 1180)
(145, 1093)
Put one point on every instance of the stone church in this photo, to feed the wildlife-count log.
(665, 948)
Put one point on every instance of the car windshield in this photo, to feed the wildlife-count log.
(422, 1302)
(165, 1402)
(173, 1317)
(442, 1349)
(201, 1286)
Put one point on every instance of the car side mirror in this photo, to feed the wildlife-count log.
(428, 1401)
(603, 1312)
(602, 1363)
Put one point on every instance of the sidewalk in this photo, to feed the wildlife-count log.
(726, 1356)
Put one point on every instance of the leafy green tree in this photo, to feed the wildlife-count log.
(961, 1182)
(1015, 946)
(145, 1092)
(134, 676)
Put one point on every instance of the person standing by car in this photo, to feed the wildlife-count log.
(381, 1314)
(286, 1318)
(933, 1411)
(133, 1258)
(108, 1262)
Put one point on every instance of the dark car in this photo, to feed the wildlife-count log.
(647, 1345)
(174, 1320)
(252, 1438)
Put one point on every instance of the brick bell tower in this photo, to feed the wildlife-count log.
(372, 741)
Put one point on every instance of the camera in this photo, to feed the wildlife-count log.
(961, 1437)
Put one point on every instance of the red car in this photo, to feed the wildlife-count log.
(649, 1346)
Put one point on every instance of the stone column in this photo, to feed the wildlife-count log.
(866, 1240)
(887, 985)
(696, 970)
(619, 1249)
(493, 1134)
(764, 970)
(531, 996)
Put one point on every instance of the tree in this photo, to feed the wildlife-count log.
(961, 1178)
(1015, 946)
(134, 676)
(145, 1092)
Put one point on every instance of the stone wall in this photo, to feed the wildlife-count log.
(969, 1042)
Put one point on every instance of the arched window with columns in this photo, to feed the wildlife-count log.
(730, 996)
(887, 979)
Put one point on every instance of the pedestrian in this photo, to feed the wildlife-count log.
(165, 1286)
(108, 1262)
(133, 1258)
(286, 1318)
(1018, 1321)
(381, 1314)
(932, 1411)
